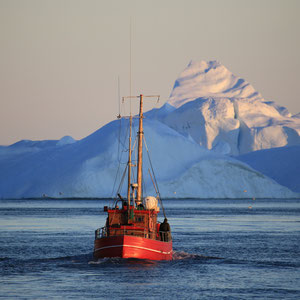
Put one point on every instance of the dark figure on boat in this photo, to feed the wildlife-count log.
(164, 230)
(140, 207)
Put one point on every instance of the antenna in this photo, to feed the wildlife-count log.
(119, 98)
(130, 61)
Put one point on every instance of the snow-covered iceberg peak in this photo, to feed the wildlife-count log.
(66, 140)
(209, 79)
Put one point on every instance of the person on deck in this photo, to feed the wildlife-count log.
(164, 229)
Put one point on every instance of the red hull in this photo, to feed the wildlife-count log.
(132, 247)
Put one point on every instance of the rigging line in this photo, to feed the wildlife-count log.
(153, 182)
(134, 144)
(121, 183)
(159, 197)
(119, 117)
(126, 133)
(119, 156)
(119, 163)
(120, 153)
(132, 175)
(116, 177)
(144, 188)
(123, 142)
(119, 138)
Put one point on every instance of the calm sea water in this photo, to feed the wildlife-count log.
(224, 249)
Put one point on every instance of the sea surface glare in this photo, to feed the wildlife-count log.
(223, 249)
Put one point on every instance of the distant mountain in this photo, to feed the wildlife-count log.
(280, 164)
(90, 168)
(224, 113)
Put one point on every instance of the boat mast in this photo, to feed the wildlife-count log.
(130, 126)
(140, 154)
(129, 162)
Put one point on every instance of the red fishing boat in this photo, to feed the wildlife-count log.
(132, 229)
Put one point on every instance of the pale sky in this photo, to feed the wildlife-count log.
(60, 59)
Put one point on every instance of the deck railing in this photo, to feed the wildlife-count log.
(161, 236)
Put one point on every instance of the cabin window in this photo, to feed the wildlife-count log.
(139, 219)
